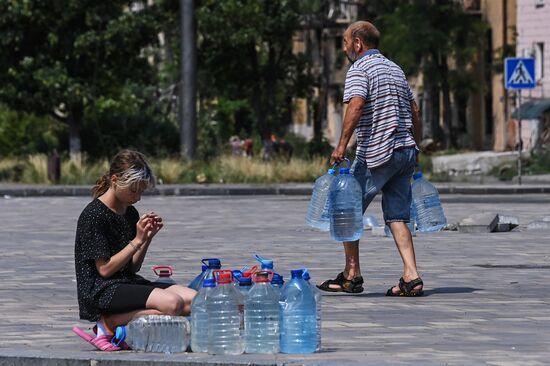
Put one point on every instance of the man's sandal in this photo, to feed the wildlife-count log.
(407, 288)
(354, 286)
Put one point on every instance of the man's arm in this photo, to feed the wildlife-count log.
(353, 114)
(417, 123)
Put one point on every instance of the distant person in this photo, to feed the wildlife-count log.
(382, 111)
(236, 149)
(248, 145)
(281, 148)
(112, 240)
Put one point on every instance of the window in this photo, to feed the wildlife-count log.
(539, 4)
(539, 61)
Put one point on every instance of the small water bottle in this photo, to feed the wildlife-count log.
(318, 300)
(164, 274)
(245, 284)
(346, 207)
(211, 264)
(317, 215)
(298, 318)
(199, 317)
(225, 308)
(427, 205)
(261, 315)
(155, 333)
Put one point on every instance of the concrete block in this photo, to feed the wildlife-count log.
(506, 223)
(471, 163)
(479, 223)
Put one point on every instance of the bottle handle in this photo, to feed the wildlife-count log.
(346, 159)
(120, 336)
(161, 270)
(207, 260)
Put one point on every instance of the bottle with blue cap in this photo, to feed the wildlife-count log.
(261, 315)
(208, 266)
(318, 299)
(427, 205)
(245, 284)
(298, 333)
(199, 317)
(267, 264)
(277, 282)
(225, 308)
(154, 333)
(318, 210)
(346, 207)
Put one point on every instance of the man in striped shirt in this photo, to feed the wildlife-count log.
(386, 119)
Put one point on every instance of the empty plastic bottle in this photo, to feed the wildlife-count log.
(164, 274)
(318, 300)
(261, 315)
(225, 307)
(427, 205)
(155, 333)
(199, 317)
(317, 215)
(211, 265)
(298, 333)
(346, 208)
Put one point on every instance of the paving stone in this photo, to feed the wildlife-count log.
(484, 222)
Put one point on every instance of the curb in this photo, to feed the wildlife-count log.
(304, 189)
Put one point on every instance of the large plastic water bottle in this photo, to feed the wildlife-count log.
(211, 264)
(155, 333)
(346, 207)
(244, 286)
(261, 315)
(164, 274)
(317, 215)
(225, 307)
(199, 317)
(427, 205)
(298, 321)
(318, 300)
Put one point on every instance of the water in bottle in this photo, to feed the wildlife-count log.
(427, 205)
(164, 274)
(225, 308)
(211, 264)
(318, 210)
(199, 317)
(318, 300)
(277, 282)
(261, 315)
(298, 318)
(346, 208)
(155, 333)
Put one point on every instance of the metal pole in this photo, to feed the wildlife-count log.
(188, 84)
(520, 142)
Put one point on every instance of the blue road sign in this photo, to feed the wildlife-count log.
(519, 73)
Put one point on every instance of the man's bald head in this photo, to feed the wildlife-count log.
(366, 32)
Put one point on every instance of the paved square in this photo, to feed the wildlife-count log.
(488, 295)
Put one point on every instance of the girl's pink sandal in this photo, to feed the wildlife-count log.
(102, 343)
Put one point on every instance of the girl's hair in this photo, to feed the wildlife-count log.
(130, 168)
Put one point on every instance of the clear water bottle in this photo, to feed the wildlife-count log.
(225, 308)
(199, 317)
(211, 264)
(298, 318)
(155, 333)
(245, 284)
(164, 274)
(427, 205)
(261, 315)
(317, 215)
(346, 208)
(277, 282)
(318, 300)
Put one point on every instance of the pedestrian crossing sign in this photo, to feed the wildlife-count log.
(519, 73)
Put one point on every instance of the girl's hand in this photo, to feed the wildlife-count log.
(156, 224)
(143, 229)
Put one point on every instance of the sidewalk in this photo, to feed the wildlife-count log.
(486, 300)
(32, 190)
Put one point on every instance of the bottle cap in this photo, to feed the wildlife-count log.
(306, 276)
(417, 175)
(296, 273)
(223, 276)
(245, 281)
(331, 171)
(277, 279)
(266, 263)
(344, 170)
(212, 263)
(209, 282)
(204, 267)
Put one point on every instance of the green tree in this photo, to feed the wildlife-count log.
(67, 59)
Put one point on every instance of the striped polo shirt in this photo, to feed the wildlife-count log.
(386, 122)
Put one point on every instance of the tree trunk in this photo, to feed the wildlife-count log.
(75, 121)
(446, 92)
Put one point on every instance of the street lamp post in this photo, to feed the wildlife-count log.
(188, 84)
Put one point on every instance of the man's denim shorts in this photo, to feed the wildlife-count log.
(393, 179)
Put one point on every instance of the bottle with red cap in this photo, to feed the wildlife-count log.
(261, 315)
(225, 308)
(164, 274)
